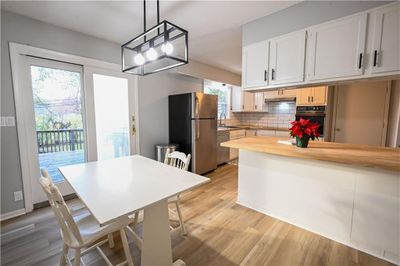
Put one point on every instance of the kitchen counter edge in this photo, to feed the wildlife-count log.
(350, 154)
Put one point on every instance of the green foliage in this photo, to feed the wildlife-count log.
(57, 98)
(220, 93)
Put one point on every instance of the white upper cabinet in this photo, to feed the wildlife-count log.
(336, 49)
(360, 46)
(237, 99)
(287, 54)
(255, 65)
(248, 102)
(259, 104)
(386, 39)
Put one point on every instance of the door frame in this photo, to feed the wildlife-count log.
(29, 119)
(17, 55)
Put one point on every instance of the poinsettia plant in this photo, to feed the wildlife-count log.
(304, 127)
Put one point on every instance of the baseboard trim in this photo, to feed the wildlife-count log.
(12, 214)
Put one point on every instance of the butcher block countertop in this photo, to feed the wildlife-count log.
(357, 155)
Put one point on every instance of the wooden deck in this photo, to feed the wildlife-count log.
(52, 160)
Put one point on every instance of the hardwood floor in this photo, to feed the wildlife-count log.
(221, 232)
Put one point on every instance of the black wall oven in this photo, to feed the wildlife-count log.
(315, 113)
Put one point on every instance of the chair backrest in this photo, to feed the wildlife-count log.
(70, 231)
(177, 159)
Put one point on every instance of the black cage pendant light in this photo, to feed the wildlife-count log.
(162, 47)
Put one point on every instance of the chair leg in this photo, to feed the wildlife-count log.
(126, 247)
(111, 240)
(77, 260)
(64, 255)
(135, 220)
(182, 224)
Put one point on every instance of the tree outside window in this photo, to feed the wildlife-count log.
(223, 91)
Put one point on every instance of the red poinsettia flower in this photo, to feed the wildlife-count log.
(304, 127)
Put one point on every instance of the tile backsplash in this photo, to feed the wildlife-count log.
(279, 115)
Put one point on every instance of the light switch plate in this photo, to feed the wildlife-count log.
(18, 195)
(8, 121)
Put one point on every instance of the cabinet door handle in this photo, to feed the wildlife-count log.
(375, 57)
(265, 75)
(308, 98)
(255, 106)
(312, 99)
(272, 74)
(360, 61)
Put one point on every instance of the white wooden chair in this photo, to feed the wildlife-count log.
(179, 160)
(82, 232)
(76, 211)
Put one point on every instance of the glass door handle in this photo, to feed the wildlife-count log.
(133, 126)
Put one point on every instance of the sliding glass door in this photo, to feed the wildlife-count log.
(112, 116)
(111, 105)
(54, 119)
(73, 114)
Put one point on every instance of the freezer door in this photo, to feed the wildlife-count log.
(204, 105)
(204, 148)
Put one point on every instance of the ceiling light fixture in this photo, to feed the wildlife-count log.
(162, 47)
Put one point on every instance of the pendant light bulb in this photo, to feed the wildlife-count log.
(151, 54)
(139, 59)
(167, 48)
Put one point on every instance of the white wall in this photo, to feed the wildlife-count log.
(300, 16)
(204, 71)
(153, 96)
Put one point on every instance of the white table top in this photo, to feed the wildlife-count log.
(117, 187)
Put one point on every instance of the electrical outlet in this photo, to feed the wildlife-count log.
(18, 195)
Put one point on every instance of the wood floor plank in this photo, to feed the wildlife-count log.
(221, 233)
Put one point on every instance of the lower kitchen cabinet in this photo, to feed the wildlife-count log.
(223, 152)
(273, 133)
(267, 133)
(282, 133)
(251, 132)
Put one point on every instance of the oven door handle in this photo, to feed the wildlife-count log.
(310, 114)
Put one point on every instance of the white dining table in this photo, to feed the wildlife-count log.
(115, 188)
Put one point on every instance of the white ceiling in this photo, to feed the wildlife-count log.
(214, 26)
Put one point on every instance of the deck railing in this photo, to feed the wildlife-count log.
(60, 140)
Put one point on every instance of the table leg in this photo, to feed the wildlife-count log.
(156, 248)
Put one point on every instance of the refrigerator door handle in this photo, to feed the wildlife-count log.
(197, 128)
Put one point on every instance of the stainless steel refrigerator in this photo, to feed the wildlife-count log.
(193, 125)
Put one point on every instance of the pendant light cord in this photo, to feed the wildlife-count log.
(144, 18)
(158, 12)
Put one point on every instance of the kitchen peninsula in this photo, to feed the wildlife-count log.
(348, 193)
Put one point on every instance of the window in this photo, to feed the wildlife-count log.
(223, 91)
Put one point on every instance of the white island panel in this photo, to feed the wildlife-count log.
(376, 220)
(354, 205)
